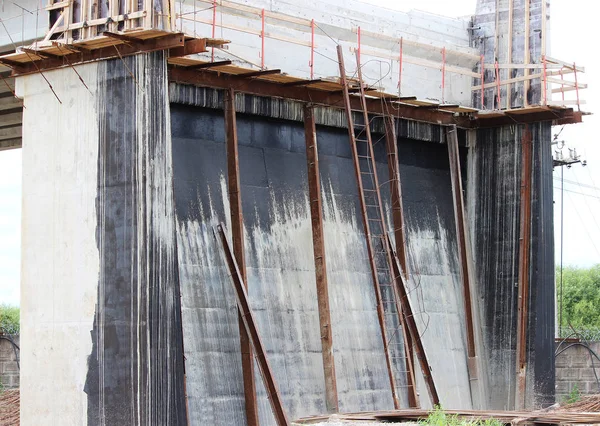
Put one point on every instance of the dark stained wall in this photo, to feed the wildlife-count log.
(494, 204)
(281, 270)
(135, 374)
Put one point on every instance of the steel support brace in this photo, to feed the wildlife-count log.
(237, 231)
(316, 214)
(250, 327)
(524, 269)
(462, 237)
(400, 237)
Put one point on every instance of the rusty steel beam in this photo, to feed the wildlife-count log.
(303, 94)
(400, 237)
(251, 328)
(237, 232)
(316, 214)
(409, 315)
(524, 268)
(335, 99)
(463, 241)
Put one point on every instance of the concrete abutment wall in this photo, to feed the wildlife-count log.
(130, 195)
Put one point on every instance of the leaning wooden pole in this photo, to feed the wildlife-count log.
(411, 324)
(316, 214)
(462, 238)
(524, 269)
(252, 331)
(400, 238)
(237, 231)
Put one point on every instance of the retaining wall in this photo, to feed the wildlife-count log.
(575, 368)
(9, 367)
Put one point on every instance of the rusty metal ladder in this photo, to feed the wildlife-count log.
(389, 312)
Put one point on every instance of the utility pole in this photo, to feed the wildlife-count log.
(559, 160)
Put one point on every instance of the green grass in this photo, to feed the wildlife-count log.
(9, 319)
(438, 417)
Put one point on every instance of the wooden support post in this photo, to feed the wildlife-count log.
(400, 68)
(250, 326)
(544, 23)
(509, 53)
(358, 46)
(498, 90)
(545, 82)
(524, 269)
(482, 65)
(462, 237)
(443, 72)
(400, 237)
(214, 27)
(316, 214)
(576, 86)
(527, 55)
(237, 231)
(262, 40)
(311, 64)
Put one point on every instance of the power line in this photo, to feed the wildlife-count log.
(583, 185)
(586, 231)
(578, 193)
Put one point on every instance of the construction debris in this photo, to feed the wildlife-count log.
(9, 408)
(507, 417)
(586, 404)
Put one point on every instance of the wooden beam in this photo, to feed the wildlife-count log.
(400, 238)
(161, 43)
(237, 232)
(462, 237)
(259, 73)
(303, 82)
(524, 268)
(208, 65)
(41, 54)
(251, 328)
(316, 214)
(122, 37)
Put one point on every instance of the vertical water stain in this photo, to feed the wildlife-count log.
(136, 370)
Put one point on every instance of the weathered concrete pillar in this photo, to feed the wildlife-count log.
(100, 306)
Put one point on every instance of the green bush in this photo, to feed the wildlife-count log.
(573, 396)
(579, 299)
(9, 319)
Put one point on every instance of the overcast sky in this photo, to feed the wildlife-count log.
(571, 35)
